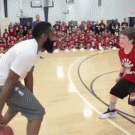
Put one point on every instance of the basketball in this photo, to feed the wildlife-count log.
(6, 130)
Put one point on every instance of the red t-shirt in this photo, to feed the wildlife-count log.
(63, 27)
(128, 62)
(89, 26)
(4, 40)
(29, 32)
(106, 44)
(68, 44)
(5, 35)
(12, 31)
(3, 46)
(87, 42)
(1, 40)
(58, 43)
(72, 42)
(21, 28)
(117, 44)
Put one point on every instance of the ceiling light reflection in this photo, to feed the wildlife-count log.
(87, 112)
(72, 88)
(60, 73)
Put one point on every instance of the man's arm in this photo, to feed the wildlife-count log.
(29, 80)
(8, 88)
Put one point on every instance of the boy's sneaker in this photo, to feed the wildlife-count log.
(108, 114)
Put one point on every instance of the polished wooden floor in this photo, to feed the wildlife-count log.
(74, 88)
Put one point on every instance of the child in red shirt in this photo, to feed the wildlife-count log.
(12, 31)
(126, 82)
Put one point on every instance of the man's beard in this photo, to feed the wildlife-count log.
(48, 45)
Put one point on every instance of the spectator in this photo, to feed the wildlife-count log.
(112, 27)
(63, 27)
(6, 34)
(15, 40)
(25, 30)
(17, 29)
(97, 28)
(57, 28)
(117, 28)
(12, 31)
(102, 27)
(93, 26)
(81, 26)
(124, 24)
(36, 22)
(29, 27)
(70, 27)
(1, 39)
(20, 30)
(89, 25)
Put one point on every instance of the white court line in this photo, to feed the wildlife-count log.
(89, 104)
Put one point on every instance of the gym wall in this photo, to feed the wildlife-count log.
(81, 10)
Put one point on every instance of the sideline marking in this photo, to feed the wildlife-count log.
(88, 103)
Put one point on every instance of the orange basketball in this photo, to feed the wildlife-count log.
(6, 130)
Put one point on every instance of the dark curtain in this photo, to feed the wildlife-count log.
(99, 3)
(5, 8)
(46, 12)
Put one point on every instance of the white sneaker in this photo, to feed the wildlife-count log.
(108, 114)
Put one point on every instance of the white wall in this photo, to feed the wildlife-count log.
(14, 7)
(3, 21)
(112, 9)
(55, 14)
(81, 10)
(84, 10)
(32, 12)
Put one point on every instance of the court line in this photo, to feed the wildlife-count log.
(92, 91)
(88, 103)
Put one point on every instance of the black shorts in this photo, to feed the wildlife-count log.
(122, 89)
(113, 32)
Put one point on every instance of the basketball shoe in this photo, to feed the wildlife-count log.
(108, 114)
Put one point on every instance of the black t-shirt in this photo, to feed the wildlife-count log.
(17, 28)
(57, 27)
(112, 26)
(70, 27)
(117, 26)
(102, 26)
(25, 27)
(81, 27)
(25, 30)
(29, 27)
(97, 27)
(124, 25)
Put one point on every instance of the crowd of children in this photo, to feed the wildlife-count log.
(65, 38)
(15, 34)
(85, 39)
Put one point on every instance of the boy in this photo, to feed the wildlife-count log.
(126, 82)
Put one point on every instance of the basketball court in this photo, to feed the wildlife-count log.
(74, 88)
